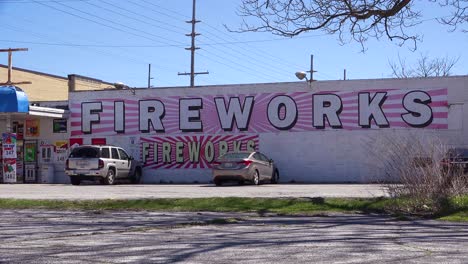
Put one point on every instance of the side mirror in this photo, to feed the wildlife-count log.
(131, 158)
(271, 161)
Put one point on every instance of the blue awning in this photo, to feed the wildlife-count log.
(13, 100)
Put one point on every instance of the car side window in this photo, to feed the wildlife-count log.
(105, 153)
(264, 158)
(123, 155)
(257, 156)
(115, 153)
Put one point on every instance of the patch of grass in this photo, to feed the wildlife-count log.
(230, 204)
(456, 211)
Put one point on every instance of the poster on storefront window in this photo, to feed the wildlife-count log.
(9, 145)
(60, 125)
(1, 161)
(32, 127)
(18, 128)
(61, 148)
(30, 152)
(9, 170)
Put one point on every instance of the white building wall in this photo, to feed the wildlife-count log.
(329, 155)
(48, 137)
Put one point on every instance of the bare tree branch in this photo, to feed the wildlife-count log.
(425, 67)
(459, 13)
(350, 20)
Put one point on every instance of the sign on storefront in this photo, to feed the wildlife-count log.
(9, 157)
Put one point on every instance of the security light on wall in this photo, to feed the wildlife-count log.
(119, 85)
(301, 75)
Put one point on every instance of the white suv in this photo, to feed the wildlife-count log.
(105, 163)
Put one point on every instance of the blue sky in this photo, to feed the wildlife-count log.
(115, 40)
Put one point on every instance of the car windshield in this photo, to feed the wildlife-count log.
(234, 156)
(458, 153)
(86, 152)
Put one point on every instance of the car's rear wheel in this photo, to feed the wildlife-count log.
(136, 177)
(256, 178)
(275, 177)
(75, 180)
(110, 177)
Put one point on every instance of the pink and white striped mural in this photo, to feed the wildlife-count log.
(191, 152)
(256, 113)
(171, 129)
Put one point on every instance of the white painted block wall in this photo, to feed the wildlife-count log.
(317, 156)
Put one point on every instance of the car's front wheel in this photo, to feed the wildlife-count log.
(110, 177)
(136, 177)
(75, 180)
(218, 182)
(256, 178)
(275, 177)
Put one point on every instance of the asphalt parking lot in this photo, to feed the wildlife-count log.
(141, 191)
(39, 236)
(52, 236)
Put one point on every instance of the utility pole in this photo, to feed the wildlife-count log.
(344, 74)
(149, 76)
(311, 68)
(193, 48)
(10, 65)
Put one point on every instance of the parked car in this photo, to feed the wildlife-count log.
(456, 161)
(103, 163)
(244, 166)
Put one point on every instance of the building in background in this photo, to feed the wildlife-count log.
(320, 132)
(35, 117)
(49, 87)
(325, 131)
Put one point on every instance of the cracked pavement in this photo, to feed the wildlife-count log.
(48, 236)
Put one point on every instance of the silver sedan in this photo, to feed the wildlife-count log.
(244, 166)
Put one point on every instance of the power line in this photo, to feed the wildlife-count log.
(210, 42)
(265, 65)
(150, 46)
(91, 45)
(158, 12)
(239, 50)
(110, 54)
(253, 70)
(236, 41)
(106, 25)
(136, 15)
(42, 1)
(5, 25)
(240, 68)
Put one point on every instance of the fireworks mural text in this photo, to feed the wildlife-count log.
(176, 130)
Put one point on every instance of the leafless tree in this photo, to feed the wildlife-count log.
(356, 20)
(413, 166)
(425, 67)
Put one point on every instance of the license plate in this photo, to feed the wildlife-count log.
(81, 172)
(228, 165)
(82, 163)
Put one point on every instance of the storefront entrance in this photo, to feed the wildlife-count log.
(33, 139)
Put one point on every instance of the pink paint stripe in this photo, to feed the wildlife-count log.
(443, 91)
(400, 106)
(76, 133)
